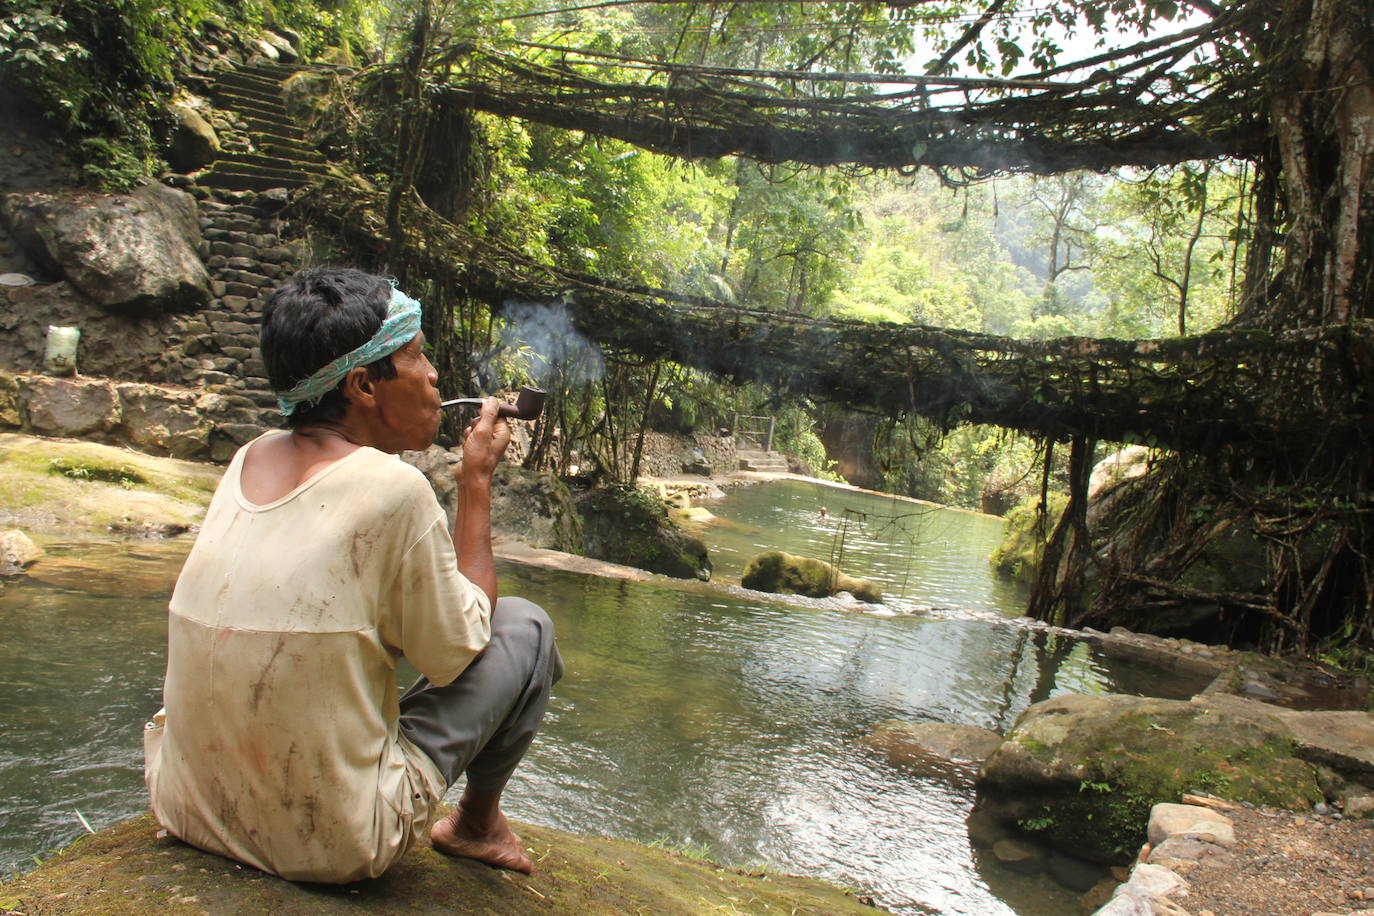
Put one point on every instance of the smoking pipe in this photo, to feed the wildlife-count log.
(529, 404)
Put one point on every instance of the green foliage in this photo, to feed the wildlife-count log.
(1019, 554)
(104, 70)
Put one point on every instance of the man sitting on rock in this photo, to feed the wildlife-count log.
(322, 560)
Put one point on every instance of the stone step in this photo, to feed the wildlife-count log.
(249, 78)
(237, 181)
(756, 460)
(299, 152)
(270, 69)
(269, 86)
(253, 108)
(284, 130)
(234, 92)
(277, 169)
(273, 162)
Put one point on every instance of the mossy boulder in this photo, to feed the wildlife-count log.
(785, 574)
(127, 869)
(625, 525)
(1082, 772)
(537, 508)
(55, 484)
(1018, 555)
(933, 749)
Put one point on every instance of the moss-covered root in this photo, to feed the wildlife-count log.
(127, 871)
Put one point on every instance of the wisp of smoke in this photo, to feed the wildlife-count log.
(543, 336)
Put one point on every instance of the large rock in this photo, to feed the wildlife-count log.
(631, 527)
(128, 868)
(940, 749)
(10, 400)
(71, 407)
(134, 252)
(163, 421)
(1083, 772)
(60, 486)
(287, 52)
(306, 94)
(537, 508)
(17, 551)
(785, 574)
(531, 506)
(1111, 475)
(112, 345)
(194, 143)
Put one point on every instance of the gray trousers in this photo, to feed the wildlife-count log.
(483, 722)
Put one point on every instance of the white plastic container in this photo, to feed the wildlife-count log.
(60, 357)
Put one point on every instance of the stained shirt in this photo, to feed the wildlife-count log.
(278, 744)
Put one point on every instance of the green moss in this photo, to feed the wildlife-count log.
(1018, 556)
(625, 525)
(127, 871)
(92, 485)
(785, 574)
(1138, 760)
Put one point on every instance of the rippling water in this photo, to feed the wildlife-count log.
(702, 718)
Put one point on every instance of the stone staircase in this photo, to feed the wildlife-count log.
(759, 460)
(273, 152)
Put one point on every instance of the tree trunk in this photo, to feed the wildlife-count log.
(1322, 116)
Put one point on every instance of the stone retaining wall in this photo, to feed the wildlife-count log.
(666, 455)
(196, 383)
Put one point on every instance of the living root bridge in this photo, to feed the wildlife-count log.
(1285, 398)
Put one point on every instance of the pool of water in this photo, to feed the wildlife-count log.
(919, 554)
(710, 719)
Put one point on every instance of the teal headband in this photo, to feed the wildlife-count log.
(400, 327)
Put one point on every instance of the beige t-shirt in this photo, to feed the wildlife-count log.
(278, 743)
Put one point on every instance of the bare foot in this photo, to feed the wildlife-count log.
(498, 845)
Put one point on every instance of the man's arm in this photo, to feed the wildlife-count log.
(484, 442)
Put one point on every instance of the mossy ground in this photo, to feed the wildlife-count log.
(127, 871)
(56, 483)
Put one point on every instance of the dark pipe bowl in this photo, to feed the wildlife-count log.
(529, 404)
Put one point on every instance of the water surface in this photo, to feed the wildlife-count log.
(714, 720)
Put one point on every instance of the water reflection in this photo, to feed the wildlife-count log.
(734, 726)
(689, 716)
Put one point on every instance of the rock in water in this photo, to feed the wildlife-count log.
(784, 574)
(934, 748)
(126, 252)
(624, 525)
(17, 551)
(1083, 772)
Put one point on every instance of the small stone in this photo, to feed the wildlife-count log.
(17, 551)
(1018, 856)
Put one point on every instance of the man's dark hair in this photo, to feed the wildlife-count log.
(315, 316)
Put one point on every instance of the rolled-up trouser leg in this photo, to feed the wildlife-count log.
(483, 722)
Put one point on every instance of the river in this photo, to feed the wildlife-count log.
(716, 721)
